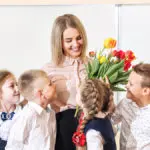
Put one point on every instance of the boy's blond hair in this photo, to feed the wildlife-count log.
(26, 82)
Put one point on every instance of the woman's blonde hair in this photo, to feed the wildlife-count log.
(95, 96)
(60, 25)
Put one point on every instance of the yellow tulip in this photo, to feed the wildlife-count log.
(109, 43)
(98, 56)
(102, 59)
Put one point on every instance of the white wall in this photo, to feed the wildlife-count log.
(25, 32)
(134, 31)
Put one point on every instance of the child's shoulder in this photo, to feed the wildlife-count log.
(28, 113)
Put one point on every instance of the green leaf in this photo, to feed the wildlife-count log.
(124, 73)
(118, 89)
(95, 66)
(88, 68)
(120, 79)
(114, 68)
(120, 82)
(113, 77)
(101, 68)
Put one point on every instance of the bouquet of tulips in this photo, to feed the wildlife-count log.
(113, 64)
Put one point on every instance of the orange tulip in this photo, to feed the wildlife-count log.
(92, 54)
(109, 43)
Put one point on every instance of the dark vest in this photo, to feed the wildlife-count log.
(2, 144)
(103, 125)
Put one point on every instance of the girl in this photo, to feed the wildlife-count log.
(94, 131)
(9, 96)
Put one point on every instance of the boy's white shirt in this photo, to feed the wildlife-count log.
(135, 128)
(33, 129)
(6, 125)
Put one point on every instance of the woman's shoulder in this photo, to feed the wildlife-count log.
(48, 67)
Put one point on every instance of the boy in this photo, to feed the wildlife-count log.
(34, 128)
(134, 112)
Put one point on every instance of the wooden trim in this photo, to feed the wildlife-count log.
(70, 2)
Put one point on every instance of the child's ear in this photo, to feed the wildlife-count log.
(146, 91)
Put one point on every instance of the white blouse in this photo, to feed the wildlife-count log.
(94, 140)
(6, 125)
(33, 129)
(66, 78)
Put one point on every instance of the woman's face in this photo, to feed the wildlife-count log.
(72, 43)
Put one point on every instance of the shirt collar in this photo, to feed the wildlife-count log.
(145, 107)
(48, 108)
(70, 61)
(36, 107)
(132, 103)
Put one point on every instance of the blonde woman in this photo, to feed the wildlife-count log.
(68, 47)
(94, 131)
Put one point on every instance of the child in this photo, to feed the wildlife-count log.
(34, 128)
(94, 131)
(9, 96)
(133, 111)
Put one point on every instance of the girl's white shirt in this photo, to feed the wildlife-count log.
(94, 140)
(5, 126)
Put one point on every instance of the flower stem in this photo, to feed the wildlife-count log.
(101, 51)
(77, 109)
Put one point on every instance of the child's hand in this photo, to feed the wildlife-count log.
(106, 81)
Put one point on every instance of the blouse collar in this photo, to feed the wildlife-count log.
(70, 61)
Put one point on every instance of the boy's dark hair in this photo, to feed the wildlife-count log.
(144, 71)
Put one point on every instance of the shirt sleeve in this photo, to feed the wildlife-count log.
(94, 140)
(48, 68)
(19, 133)
(117, 115)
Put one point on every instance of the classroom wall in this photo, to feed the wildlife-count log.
(25, 31)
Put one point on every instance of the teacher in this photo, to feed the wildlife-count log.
(66, 71)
